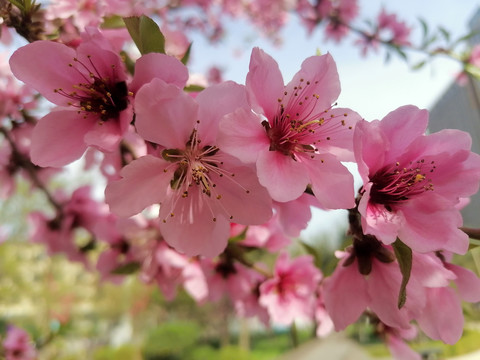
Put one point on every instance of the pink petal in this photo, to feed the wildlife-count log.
(264, 83)
(293, 216)
(165, 114)
(468, 283)
(341, 138)
(424, 235)
(105, 64)
(321, 73)
(242, 135)
(192, 229)
(400, 350)
(345, 295)
(430, 271)
(243, 197)
(377, 221)
(332, 183)
(43, 65)
(161, 66)
(383, 287)
(285, 178)
(215, 102)
(106, 135)
(457, 171)
(402, 126)
(58, 138)
(143, 183)
(367, 139)
(442, 319)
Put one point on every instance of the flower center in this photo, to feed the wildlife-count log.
(395, 184)
(100, 95)
(194, 165)
(298, 125)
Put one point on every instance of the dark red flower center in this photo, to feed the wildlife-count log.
(395, 184)
(101, 95)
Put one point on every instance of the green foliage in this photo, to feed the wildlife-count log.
(145, 34)
(125, 352)
(171, 341)
(404, 257)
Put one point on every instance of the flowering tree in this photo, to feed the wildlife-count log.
(197, 176)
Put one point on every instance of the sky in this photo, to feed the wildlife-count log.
(369, 85)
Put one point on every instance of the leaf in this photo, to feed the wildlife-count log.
(317, 259)
(146, 34)
(424, 27)
(444, 33)
(126, 269)
(419, 65)
(474, 243)
(113, 22)
(466, 37)
(404, 257)
(193, 88)
(186, 57)
(18, 4)
(472, 70)
(400, 52)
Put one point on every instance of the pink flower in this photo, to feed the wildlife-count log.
(83, 12)
(269, 236)
(290, 294)
(18, 345)
(200, 188)
(398, 30)
(413, 181)
(90, 87)
(294, 136)
(58, 234)
(348, 293)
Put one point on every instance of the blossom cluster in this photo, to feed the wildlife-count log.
(197, 179)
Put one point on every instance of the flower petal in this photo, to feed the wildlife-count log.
(44, 65)
(192, 229)
(58, 138)
(284, 178)
(332, 183)
(165, 114)
(161, 66)
(442, 319)
(242, 135)
(144, 182)
(345, 295)
(264, 83)
(215, 102)
(322, 76)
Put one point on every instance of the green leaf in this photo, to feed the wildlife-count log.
(444, 33)
(186, 57)
(400, 52)
(146, 34)
(18, 4)
(419, 65)
(126, 269)
(466, 37)
(317, 259)
(193, 88)
(404, 257)
(113, 22)
(472, 70)
(424, 27)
